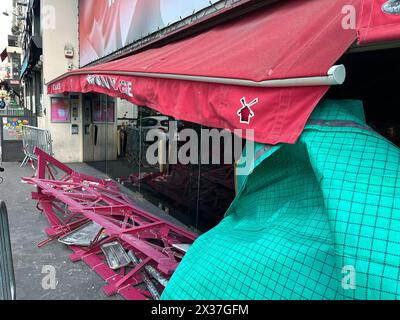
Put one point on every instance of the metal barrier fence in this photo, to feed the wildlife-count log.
(34, 137)
(7, 277)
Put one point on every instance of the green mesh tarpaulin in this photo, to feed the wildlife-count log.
(319, 219)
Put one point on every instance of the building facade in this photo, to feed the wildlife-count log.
(318, 171)
(50, 27)
(50, 42)
(11, 66)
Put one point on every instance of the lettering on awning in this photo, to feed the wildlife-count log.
(111, 83)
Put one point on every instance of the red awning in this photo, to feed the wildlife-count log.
(200, 79)
(379, 21)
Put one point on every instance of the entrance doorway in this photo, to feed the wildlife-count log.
(99, 123)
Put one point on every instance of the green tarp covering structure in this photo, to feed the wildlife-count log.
(319, 219)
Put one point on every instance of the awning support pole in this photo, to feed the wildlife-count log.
(336, 75)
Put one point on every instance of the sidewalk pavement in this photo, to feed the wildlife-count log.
(75, 281)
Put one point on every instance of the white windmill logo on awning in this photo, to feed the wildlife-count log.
(245, 113)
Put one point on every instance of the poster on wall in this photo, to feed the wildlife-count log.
(97, 113)
(106, 26)
(103, 112)
(12, 128)
(60, 110)
(110, 112)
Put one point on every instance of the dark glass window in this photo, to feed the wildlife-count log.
(149, 122)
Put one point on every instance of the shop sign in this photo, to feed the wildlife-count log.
(111, 83)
